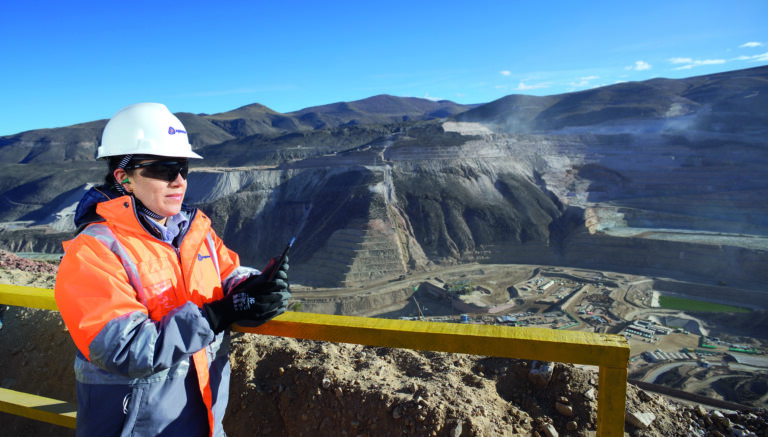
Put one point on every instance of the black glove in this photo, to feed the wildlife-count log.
(253, 299)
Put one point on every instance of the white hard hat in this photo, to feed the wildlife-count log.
(145, 129)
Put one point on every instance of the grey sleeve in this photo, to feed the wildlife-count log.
(136, 346)
(239, 275)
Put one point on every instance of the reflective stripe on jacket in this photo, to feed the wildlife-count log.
(132, 305)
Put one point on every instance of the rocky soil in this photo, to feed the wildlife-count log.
(294, 387)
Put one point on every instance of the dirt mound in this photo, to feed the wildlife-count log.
(283, 386)
(9, 261)
(294, 387)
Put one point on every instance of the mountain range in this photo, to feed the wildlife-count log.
(664, 177)
(78, 142)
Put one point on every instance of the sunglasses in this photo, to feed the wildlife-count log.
(162, 170)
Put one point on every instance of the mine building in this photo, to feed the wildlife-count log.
(547, 285)
(652, 327)
(659, 356)
(507, 319)
(638, 330)
(747, 359)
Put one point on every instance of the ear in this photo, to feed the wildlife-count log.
(121, 176)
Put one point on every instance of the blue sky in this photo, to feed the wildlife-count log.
(67, 62)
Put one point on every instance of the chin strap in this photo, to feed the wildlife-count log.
(146, 211)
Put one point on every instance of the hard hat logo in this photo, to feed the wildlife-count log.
(172, 131)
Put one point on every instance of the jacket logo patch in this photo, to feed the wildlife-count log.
(201, 257)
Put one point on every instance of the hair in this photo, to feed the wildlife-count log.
(113, 163)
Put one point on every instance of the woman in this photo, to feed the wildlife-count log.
(148, 291)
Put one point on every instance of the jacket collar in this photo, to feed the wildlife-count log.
(85, 213)
(104, 203)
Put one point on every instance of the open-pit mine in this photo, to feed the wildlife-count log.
(590, 211)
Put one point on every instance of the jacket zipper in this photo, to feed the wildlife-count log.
(177, 250)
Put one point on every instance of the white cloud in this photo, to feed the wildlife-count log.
(506, 73)
(639, 66)
(434, 99)
(688, 63)
(763, 57)
(522, 86)
(710, 62)
(751, 44)
(584, 82)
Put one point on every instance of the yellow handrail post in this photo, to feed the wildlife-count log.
(611, 401)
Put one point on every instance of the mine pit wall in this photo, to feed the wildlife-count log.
(352, 263)
(369, 304)
(459, 305)
(699, 263)
(464, 307)
(360, 305)
(354, 257)
(378, 257)
(708, 264)
(693, 397)
(332, 263)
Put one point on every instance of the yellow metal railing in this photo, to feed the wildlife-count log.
(609, 352)
(38, 407)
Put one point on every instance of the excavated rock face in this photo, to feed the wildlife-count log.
(662, 177)
(458, 212)
(389, 207)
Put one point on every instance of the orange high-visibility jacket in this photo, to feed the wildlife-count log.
(132, 305)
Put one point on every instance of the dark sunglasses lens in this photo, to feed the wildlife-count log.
(166, 171)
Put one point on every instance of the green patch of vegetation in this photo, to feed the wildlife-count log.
(744, 351)
(681, 303)
(460, 287)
